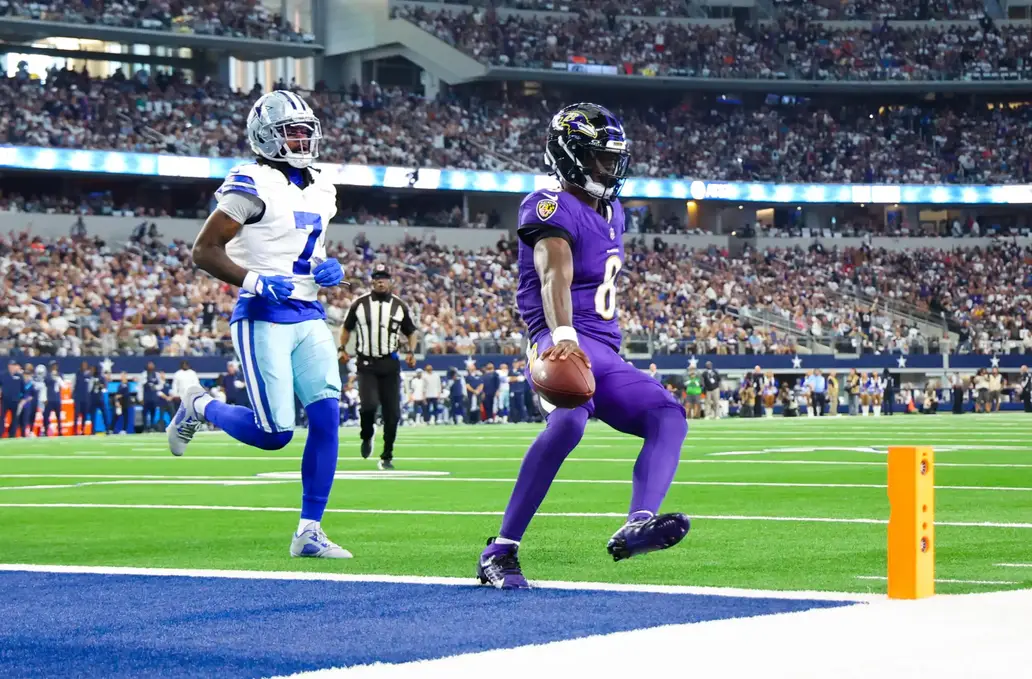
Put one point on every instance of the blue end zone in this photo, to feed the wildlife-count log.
(150, 626)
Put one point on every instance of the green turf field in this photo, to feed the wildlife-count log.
(125, 501)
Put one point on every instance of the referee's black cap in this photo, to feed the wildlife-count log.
(381, 271)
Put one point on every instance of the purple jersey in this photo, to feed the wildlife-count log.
(598, 255)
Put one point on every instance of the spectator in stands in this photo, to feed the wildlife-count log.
(805, 143)
(232, 18)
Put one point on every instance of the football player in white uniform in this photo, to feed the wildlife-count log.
(267, 236)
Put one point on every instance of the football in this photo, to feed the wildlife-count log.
(564, 384)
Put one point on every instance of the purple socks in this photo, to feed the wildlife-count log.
(562, 433)
(665, 430)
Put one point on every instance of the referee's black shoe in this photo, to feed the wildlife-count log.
(385, 465)
(367, 448)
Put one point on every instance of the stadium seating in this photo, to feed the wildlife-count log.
(792, 48)
(778, 301)
(907, 10)
(232, 18)
(377, 126)
(649, 8)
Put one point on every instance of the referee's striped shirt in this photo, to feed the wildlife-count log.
(376, 324)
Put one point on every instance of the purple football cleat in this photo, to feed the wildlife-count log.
(500, 567)
(641, 536)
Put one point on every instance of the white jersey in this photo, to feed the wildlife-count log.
(433, 384)
(418, 387)
(183, 380)
(284, 232)
(41, 392)
(503, 382)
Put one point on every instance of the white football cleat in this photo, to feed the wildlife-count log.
(184, 425)
(312, 542)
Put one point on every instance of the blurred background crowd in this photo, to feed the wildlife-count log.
(83, 297)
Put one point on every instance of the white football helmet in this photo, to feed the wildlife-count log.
(280, 117)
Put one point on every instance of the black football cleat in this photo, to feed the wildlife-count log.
(648, 535)
(385, 465)
(367, 449)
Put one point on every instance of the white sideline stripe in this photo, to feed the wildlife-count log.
(430, 512)
(948, 580)
(1014, 565)
(400, 476)
(436, 580)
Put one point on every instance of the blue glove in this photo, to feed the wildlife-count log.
(272, 288)
(328, 273)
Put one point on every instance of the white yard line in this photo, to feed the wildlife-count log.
(148, 482)
(1014, 565)
(423, 476)
(425, 512)
(98, 455)
(948, 580)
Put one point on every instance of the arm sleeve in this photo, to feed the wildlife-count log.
(407, 325)
(352, 318)
(530, 234)
(241, 207)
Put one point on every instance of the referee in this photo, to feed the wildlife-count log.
(377, 318)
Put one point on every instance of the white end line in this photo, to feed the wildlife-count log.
(429, 580)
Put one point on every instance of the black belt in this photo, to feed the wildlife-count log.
(377, 362)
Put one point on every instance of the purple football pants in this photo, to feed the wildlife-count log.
(627, 400)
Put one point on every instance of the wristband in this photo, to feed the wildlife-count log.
(250, 283)
(563, 333)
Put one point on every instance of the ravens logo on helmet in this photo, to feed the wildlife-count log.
(587, 148)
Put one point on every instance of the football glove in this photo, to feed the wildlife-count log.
(272, 288)
(328, 273)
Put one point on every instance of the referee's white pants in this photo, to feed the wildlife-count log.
(281, 359)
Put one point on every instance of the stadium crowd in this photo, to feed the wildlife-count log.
(839, 10)
(82, 296)
(374, 125)
(904, 10)
(538, 41)
(970, 51)
(228, 18)
(794, 47)
(648, 8)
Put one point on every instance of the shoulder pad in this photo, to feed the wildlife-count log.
(547, 207)
(243, 178)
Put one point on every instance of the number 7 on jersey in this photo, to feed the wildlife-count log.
(304, 220)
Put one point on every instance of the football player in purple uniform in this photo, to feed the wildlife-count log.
(570, 256)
